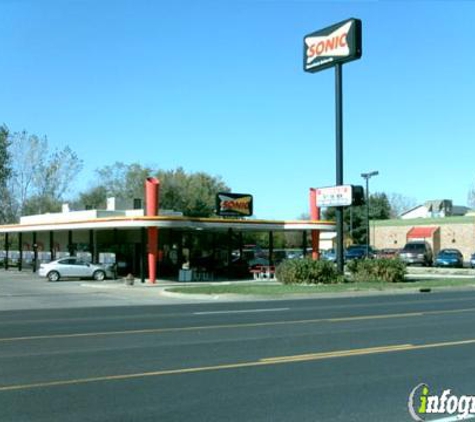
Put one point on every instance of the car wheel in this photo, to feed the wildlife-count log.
(99, 275)
(53, 276)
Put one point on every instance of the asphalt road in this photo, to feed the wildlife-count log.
(351, 359)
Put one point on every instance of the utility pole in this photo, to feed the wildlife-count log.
(368, 176)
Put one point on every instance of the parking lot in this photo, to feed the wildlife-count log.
(25, 290)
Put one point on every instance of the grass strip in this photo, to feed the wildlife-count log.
(281, 289)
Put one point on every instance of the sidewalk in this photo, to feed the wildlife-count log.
(164, 283)
(26, 290)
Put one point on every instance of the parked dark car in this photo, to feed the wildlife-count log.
(472, 261)
(359, 252)
(416, 252)
(449, 258)
(387, 253)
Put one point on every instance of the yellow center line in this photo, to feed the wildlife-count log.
(386, 316)
(260, 362)
(228, 326)
(339, 353)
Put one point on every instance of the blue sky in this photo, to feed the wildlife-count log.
(218, 86)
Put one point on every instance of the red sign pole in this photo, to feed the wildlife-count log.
(152, 187)
(315, 215)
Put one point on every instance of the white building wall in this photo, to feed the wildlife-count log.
(419, 212)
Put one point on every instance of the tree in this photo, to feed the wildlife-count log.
(40, 178)
(379, 207)
(95, 197)
(55, 174)
(124, 180)
(471, 197)
(194, 194)
(27, 152)
(5, 176)
(39, 204)
(400, 203)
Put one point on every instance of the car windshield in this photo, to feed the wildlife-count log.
(414, 247)
(448, 252)
(356, 248)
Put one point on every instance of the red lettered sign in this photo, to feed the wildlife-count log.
(338, 43)
(234, 204)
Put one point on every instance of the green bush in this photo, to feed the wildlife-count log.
(307, 271)
(387, 270)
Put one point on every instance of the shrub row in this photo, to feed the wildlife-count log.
(383, 269)
(308, 271)
(298, 271)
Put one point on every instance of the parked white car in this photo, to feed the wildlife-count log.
(72, 267)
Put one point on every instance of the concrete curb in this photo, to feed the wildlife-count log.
(175, 295)
(163, 290)
(101, 285)
(322, 295)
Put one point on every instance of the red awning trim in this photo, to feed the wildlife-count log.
(421, 232)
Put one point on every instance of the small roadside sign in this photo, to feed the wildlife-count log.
(335, 196)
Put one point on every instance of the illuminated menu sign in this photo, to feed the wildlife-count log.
(233, 204)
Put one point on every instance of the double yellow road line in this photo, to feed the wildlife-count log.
(227, 366)
(240, 365)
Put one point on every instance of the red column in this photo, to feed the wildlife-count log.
(314, 215)
(152, 194)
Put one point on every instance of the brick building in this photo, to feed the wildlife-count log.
(440, 233)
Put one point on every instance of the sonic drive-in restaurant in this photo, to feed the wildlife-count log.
(151, 243)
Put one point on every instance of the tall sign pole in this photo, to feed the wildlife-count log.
(339, 162)
(331, 47)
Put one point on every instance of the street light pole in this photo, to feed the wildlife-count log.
(368, 176)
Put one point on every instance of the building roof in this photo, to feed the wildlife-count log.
(460, 210)
(410, 210)
(467, 219)
(171, 222)
(438, 204)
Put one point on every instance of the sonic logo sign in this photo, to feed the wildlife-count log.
(234, 204)
(335, 44)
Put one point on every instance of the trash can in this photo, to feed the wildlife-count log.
(185, 275)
